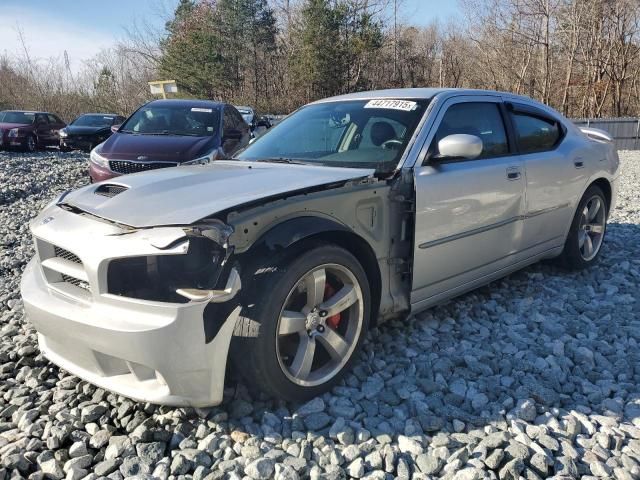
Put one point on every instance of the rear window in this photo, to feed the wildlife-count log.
(536, 134)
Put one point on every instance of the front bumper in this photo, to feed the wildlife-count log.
(77, 143)
(150, 351)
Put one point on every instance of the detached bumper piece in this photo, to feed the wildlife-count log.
(148, 350)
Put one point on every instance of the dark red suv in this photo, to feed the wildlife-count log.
(167, 133)
(29, 130)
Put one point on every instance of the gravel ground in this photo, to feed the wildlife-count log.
(533, 376)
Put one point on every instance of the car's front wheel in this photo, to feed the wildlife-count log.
(305, 318)
(587, 231)
(32, 144)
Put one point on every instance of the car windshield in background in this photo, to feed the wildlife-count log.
(355, 134)
(94, 121)
(26, 118)
(173, 120)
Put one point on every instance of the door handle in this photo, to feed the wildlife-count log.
(513, 173)
(578, 163)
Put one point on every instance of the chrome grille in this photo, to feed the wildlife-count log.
(66, 254)
(125, 167)
(110, 190)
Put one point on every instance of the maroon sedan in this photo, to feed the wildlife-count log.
(29, 130)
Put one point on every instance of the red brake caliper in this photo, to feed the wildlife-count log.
(329, 291)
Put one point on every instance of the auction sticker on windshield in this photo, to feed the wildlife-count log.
(203, 110)
(404, 105)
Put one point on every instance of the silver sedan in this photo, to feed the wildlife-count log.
(351, 211)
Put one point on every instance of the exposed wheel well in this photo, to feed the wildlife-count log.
(605, 186)
(354, 244)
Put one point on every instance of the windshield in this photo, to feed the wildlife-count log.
(94, 121)
(356, 134)
(173, 120)
(17, 117)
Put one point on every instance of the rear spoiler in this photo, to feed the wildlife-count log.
(597, 134)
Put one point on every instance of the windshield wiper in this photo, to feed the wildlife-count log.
(282, 160)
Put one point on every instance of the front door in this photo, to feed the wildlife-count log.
(469, 212)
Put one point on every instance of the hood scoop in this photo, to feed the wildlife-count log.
(110, 190)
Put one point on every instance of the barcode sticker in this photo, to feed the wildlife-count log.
(404, 105)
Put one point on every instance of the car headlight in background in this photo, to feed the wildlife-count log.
(63, 133)
(98, 159)
(13, 133)
(203, 160)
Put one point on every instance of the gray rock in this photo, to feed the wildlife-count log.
(150, 452)
(429, 464)
(356, 468)
(106, 467)
(260, 469)
(52, 469)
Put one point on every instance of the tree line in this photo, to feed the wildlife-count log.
(579, 56)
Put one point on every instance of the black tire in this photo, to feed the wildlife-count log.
(265, 290)
(571, 256)
(31, 145)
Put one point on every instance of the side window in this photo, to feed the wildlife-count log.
(41, 119)
(535, 134)
(482, 119)
(229, 121)
(54, 119)
(239, 121)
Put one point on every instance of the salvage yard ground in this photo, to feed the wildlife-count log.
(537, 375)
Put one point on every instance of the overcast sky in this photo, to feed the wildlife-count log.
(84, 27)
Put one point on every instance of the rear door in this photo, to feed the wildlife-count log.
(55, 124)
(468, 212)
(555, 176)
(44, 131)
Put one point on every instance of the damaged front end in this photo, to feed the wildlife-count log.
(134, 310)
(201, 273)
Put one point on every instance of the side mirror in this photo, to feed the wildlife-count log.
(460, 145)
(114, 128)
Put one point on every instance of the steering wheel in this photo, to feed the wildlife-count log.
(393, 144)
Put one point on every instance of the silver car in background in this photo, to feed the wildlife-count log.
(353, 210)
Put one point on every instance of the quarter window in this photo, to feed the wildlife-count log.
(482, 119)
(535, 134)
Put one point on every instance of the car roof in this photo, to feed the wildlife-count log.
(243, 106)
(415, 93)
(430, 93)
(97, 113)
(183, 102)
(28, 111)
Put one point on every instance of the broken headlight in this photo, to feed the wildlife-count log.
(157, 277)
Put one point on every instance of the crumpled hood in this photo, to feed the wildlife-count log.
(183, 195)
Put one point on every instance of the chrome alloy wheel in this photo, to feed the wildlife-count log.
(591, 228)
(319, 325)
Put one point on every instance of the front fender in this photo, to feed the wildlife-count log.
(285, 234)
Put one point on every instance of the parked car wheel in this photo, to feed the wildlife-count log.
(588, 228)
(310, 314)
(32, 144)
